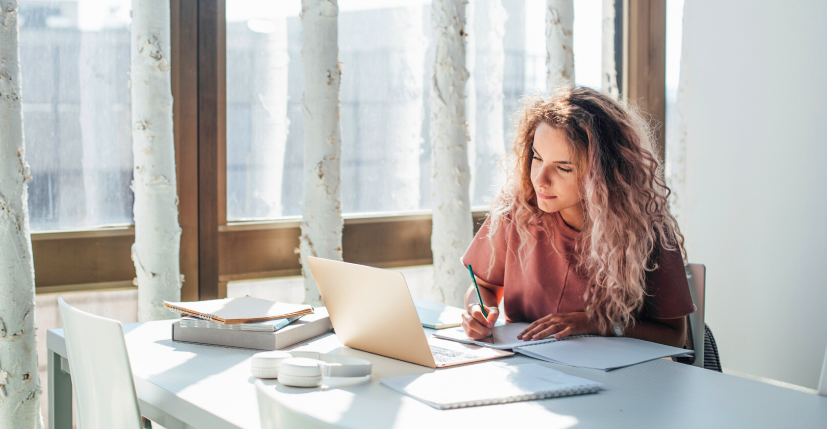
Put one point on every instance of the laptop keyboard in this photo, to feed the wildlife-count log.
(442, 355)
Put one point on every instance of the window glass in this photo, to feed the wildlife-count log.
(74, 60)
(386, 51)
(265, 138)
(383, 51)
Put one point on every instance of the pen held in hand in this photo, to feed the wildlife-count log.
(479, 295)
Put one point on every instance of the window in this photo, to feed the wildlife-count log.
(75, 59)
(77, 110)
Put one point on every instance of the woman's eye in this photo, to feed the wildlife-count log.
(563, 169)
(535, 157)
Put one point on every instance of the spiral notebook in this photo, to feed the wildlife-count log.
(244, 309)
(489, 383)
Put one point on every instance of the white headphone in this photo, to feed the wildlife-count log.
(306, 369)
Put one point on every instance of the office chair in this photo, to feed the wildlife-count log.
(276, 415)
(700, 337)
(822, 384)
(696, 276)
(101, 375)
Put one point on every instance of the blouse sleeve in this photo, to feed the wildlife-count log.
(667, 288)
(480, 250)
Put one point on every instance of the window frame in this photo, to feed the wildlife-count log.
(214, 251)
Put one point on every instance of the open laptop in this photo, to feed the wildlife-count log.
(371, 309)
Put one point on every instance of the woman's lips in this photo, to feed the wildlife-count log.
(545, 197)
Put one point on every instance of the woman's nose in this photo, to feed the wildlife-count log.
(543, 178)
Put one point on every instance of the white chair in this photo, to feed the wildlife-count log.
(274, 414)
(101, 376)
(822, 384)
(696, 275)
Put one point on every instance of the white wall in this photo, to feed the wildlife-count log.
(755, 198)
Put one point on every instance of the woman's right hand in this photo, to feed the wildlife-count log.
(477, 326)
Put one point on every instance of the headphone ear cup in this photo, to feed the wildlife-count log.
(266, 364)
(301, 372)
(265, 372)
(295, 381)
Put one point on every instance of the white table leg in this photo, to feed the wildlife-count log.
(60, 394)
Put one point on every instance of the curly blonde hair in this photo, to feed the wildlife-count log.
(624, 197)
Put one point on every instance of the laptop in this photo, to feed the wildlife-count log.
(371, 309)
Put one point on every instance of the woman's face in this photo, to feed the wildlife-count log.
(553, 175)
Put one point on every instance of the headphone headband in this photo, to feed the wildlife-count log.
(339, 366)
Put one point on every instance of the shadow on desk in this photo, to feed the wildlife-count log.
(192, 362)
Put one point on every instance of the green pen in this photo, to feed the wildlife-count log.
(479, 295)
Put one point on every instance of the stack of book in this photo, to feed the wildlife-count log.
(247, 322)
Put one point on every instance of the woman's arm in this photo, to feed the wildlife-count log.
(491, 294)
(476, 325)
(671, 332)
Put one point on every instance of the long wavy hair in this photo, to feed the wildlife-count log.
(624, 197)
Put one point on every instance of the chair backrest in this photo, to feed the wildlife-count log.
(101, 376)
(696, 275)
(274, 414)
(822, 383)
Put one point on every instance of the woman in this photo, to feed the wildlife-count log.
(580, 239)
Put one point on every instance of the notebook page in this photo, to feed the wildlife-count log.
(489, 383)
(605, 353)
(505, 337)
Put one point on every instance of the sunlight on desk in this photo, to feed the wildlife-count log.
(373, 403)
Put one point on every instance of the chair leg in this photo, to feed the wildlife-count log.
(146, 423)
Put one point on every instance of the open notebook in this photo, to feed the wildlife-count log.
(585, 351)
(245, 309)
(505, 337)
(489, 383)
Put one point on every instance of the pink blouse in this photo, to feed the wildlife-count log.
(548, 282)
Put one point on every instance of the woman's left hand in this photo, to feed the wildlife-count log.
(560, 325)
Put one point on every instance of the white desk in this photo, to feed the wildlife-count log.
(184, 385)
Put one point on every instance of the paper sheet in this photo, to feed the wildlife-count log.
(605, 353)
(505, 337)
